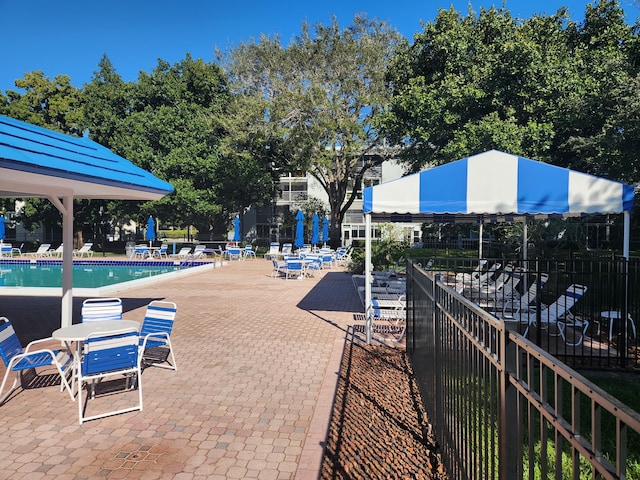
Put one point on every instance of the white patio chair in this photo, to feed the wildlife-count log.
(17, 360)
(249, 252)
(161, 253)
(96, 309)
(279, 269)
(104, 356)
(155, 334)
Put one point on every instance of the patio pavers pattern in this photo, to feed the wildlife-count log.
(258, 365)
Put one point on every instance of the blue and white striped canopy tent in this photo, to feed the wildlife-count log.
(37, 162)
(492, 186)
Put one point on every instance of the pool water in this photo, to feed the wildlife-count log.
(85, 274)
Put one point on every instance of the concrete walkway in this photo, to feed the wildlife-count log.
(257, 369)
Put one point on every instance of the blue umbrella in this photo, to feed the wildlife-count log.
(325, 230)
(314, 231)
(150, 235)
(299, 241)
(2, 232)
(236, 229)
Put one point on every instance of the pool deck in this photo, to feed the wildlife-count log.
(257, 371)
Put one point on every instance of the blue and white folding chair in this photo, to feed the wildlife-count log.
(156, 333)
(96, 309)
(18, 360)
(295, 268)
(104, 356)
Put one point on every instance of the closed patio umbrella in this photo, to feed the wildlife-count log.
(314, 230)
(2, 230)
(325, 230)
(150, 234)
(236, 229)
(299, 240)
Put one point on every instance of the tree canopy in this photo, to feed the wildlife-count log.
(308, 106)
(545, 87)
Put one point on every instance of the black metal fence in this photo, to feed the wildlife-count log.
(501, 406)
(601, 292)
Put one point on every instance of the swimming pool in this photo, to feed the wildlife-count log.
(23, 277)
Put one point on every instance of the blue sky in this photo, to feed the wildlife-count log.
(70, 38)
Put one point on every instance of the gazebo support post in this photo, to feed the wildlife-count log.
(65, 206)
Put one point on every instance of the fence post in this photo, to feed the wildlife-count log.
(509, 428)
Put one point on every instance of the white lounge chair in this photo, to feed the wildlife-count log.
(183, 253)
(57, 252)
(42, 251)
(274, 250)
(6, 250)
(84, 250)
(557, 314)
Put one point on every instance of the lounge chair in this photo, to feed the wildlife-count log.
(17, 250)
(199, 252)
(512, 307)
(57, 252)
(17, 360)
(557, 314)
(183, 253)
(274, 250)
(6, 250)
(393, 320)
(42, 251)
(85, 250)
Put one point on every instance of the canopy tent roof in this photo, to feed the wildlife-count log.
(494, 186)
(490, 186)
(36, 162)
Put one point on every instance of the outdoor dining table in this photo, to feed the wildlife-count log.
(77, 333)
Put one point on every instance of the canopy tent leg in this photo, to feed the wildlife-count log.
(367, 277)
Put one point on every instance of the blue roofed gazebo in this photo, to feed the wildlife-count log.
(37, 162)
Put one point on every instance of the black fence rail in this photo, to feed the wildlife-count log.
(583, 309)
(502, 407)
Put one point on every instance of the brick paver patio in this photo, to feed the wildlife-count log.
(257, 358)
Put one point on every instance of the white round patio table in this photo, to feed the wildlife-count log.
(78, 332)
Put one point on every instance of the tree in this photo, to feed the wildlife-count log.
(469, 84)
(309, 107)
(169, 122)
(56, 105)
(545, 88)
